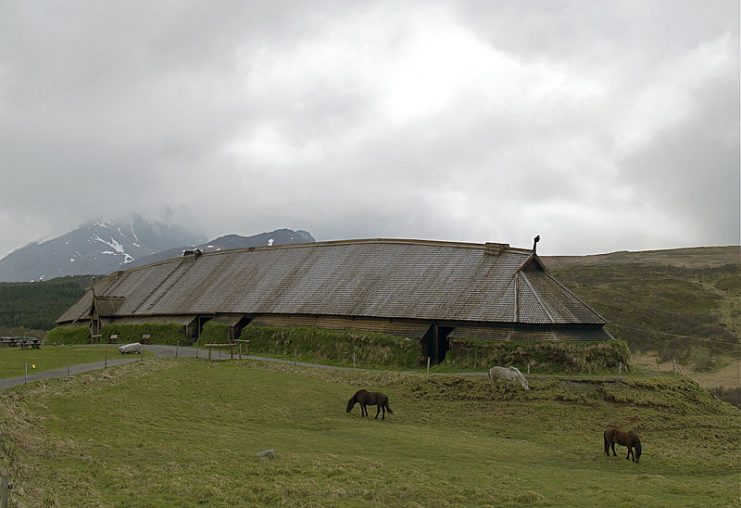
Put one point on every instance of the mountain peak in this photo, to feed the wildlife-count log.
(96, 247)
(105, 245)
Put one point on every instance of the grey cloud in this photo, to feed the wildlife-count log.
(247, 116)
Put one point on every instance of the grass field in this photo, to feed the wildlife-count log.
(13, 360)
(185, 433)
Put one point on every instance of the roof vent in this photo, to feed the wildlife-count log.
(494, 249)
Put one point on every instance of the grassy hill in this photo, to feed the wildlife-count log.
(690, 257)
(186, 433)
(669, 301)
(35, 305)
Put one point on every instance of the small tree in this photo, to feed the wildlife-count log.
(700, 357)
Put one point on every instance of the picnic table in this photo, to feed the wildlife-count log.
(22, 342)
(31, 342)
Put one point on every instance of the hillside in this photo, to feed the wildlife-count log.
(667, 301)
(35, 306)
(691, 257)
(131, 435)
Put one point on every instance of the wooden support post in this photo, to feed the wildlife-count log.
(25, 376)
(428, 365)
(231, 352)
(209, 353)
(436, 346)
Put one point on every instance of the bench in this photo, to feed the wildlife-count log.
(113, 338)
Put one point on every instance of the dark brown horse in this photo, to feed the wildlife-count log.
(629, 439)
(366, 398)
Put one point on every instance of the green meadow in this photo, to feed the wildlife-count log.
(186, 432)
(13, 360)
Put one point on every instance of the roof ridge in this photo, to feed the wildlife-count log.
(369, 241)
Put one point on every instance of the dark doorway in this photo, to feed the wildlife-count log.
(435, 342)
(240, 325)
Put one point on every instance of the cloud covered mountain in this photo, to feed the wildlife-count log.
(277, 237)
(105, 245)
(97, 247)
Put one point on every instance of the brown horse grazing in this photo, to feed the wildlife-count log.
(366, 398)
(629, 439)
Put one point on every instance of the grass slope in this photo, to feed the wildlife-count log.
(656, 304)
(185, 433)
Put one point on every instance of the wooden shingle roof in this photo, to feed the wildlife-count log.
(385, 278)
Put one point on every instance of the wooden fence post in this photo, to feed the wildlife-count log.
(428, 365)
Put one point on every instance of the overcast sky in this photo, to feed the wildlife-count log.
(599, 125)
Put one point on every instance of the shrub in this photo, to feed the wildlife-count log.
(214, 333)
(699, 356)
(370, 349)
(67, 335)
(159, 333)
(552, 356)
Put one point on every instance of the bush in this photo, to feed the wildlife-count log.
(699, 356)
(370, 349)
(550, 356)
(159, 333)
(214, 333)
(67, 335)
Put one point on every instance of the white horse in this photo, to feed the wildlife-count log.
(509, 374)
